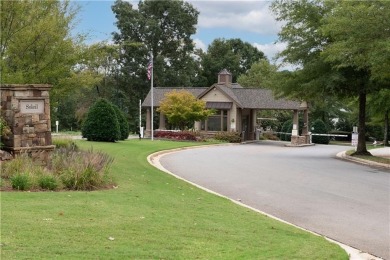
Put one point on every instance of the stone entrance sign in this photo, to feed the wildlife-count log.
(26, 109)
(32, 106)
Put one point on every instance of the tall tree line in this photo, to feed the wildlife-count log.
(341, 49)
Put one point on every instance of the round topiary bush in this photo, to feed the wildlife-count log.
(319, 127)
(123, 124)
(101, 123)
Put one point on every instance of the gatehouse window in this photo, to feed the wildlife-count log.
(216, 122)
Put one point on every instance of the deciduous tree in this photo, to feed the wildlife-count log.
(182, 109)
(233, 54)
(36, 41)
(161, 29)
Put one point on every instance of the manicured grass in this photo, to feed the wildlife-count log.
(370, 158)
(151, 215)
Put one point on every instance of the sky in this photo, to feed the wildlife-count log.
(249, 20)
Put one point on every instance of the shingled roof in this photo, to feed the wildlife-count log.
(252, 98)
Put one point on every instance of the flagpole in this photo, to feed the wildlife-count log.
(151, 92)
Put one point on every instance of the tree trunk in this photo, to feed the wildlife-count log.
(386, 136)
(361, 147)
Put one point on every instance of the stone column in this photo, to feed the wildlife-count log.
(295, 129)
(197, 125)
(148, 123)
(162, 122)
(253, 122)
(305, 129)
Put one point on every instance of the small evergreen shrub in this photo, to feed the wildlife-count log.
(21, 181)
(319, 127)
(230, 137)
(123, 124)
(101, 123)
(47, 182)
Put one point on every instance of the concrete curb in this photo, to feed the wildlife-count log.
(154, 160)
(343, 155)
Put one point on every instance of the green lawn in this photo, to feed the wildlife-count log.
(151, 215)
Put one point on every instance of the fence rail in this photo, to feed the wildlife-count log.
(313, 134)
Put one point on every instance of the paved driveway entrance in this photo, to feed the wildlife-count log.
(306, 186)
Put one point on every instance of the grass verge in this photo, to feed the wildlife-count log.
(151, 215)
(370, 158)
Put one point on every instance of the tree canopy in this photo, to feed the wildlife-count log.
(319, 35)
(36, 44)
(231, 54)
(162, 29)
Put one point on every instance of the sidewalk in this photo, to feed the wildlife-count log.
(381, 152)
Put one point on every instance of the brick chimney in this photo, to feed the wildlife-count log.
(225, 77)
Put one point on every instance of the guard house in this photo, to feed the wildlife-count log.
(236, 108)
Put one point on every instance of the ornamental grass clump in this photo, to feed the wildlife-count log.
(21, 181)
(68, 168)
(21, 164)
(65, 142)
(48, 182)
(82, 170)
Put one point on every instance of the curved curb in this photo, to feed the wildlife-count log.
(343, 155)
(154, 160)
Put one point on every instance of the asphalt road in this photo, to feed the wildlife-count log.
(306, 186)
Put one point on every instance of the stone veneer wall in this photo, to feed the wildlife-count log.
(31, 132)
(300, 140)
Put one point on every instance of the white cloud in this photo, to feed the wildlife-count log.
(270, 49)
(251, 16)
(200, 45)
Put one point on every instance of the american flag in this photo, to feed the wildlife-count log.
(150, 67)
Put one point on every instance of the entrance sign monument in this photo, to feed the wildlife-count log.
(26, 109)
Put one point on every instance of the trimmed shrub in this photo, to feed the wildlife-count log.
(180, 136)
(21, 181)
(101, 123)
(319, 127)
(123, 124)
(230, 137)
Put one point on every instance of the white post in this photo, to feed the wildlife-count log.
(57, 126)
(140, 118)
